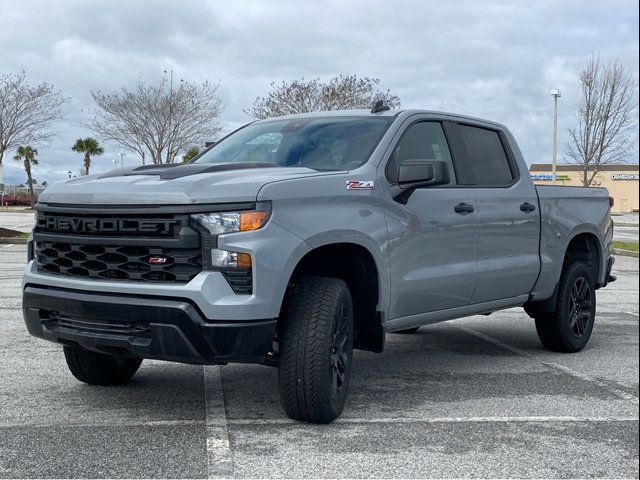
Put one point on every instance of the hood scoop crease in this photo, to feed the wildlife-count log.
(171, 171)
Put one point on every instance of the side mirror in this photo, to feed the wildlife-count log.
(419, 173)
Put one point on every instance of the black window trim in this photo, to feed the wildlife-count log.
(459, 166)
(515, 173)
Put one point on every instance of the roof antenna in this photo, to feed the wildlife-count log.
(380, 107)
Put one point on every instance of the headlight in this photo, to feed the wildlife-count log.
(213, 224)
(229, 222)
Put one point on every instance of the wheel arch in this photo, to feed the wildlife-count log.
(582, 246)
(585, 247)
(356, 265)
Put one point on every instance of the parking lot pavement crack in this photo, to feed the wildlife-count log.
(610, 386)
(219, 456)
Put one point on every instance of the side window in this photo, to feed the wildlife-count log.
(487, 158)
(421, 141)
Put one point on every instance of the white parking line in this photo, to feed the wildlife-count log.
(632, 313)
(394, 420)
(219, 457)
(618, 392)
(7, 245)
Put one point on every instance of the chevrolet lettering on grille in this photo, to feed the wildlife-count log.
(106, 225)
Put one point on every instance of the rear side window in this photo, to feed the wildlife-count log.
(487, 158)
(421, 141)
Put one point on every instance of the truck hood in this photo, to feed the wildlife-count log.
(172, 184)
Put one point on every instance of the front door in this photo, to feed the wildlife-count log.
(433, 238)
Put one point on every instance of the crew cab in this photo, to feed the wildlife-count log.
(294, 240)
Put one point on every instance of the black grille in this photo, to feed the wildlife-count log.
(241, 281)
(138, 246)
(147, 264)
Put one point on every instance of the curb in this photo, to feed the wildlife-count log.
(626, 253)
(625, 224)
(13, 241)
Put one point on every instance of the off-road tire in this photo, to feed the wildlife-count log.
(316, 347)
(100, 369)
(569, 327)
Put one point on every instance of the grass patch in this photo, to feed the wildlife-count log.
(631, 246)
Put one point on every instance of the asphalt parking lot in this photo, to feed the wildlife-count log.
(477, 397)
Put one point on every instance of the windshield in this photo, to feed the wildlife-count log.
(328, 143)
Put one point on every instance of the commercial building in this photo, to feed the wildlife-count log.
(621, 180)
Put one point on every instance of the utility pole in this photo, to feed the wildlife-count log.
(170, 105)
(555, 93)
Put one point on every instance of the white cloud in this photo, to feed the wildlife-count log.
(491, 59)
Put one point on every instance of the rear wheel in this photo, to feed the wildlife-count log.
(316, 346)
(568, 329)
(100, 369)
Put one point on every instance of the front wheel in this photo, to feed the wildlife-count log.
(316, 346)
(568, 329)
(100, 369)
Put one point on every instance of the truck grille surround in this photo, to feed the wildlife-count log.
(145, 247)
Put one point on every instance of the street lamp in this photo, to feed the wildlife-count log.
(555, 93)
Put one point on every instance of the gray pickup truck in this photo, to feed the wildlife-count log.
(294, 240)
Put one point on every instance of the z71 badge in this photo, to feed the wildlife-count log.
(359, 185)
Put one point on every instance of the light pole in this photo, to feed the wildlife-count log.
(555, 93)
(121, 160)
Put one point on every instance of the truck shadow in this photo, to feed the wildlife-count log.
(418, 373)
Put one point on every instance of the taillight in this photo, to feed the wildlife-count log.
(612, 202)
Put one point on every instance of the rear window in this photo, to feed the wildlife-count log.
(487, 158)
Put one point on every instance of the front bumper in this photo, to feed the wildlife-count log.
(146, 327)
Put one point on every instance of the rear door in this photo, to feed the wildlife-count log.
(508, 217)
(432, 240)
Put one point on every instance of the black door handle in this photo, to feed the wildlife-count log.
(463, 208)
(527, 207)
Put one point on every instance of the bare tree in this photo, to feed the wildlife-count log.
(26, 113)
(343, 92)
(160, 121)
(606, 115)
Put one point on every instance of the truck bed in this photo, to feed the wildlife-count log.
(564, 213)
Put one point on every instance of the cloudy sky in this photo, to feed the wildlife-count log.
(492, 59)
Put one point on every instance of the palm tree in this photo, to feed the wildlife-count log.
(28, 155)
(89, 146)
